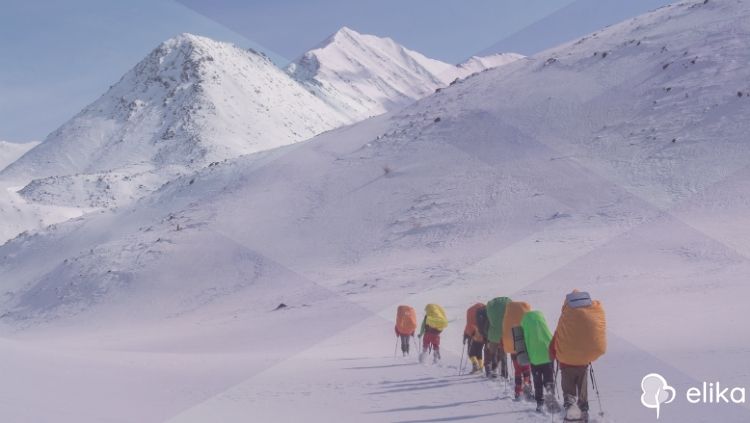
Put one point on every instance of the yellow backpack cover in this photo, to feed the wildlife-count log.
(436, 317)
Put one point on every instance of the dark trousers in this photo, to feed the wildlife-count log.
(475, 349)
(575, 385)
(543, 376)
(494, 355)
(405, 344)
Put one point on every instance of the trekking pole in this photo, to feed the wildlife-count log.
(395, 347)
(461, 362)
(557, 369)
(596, 389)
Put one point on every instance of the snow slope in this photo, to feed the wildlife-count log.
(363, 75)
(624, 174)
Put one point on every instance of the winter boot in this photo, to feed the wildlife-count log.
(436, 356)
(550, 401)
(585, 416)
(540, 407)
(474, 364)
(572, 413)
(528, 392)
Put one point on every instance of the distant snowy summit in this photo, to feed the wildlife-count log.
(190, 102)
(362, 75)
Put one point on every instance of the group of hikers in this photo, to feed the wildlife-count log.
(503, 327)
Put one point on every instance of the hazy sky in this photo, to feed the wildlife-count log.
(57, 57)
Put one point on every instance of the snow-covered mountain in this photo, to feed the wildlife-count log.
(190, 102)
(11, 151)
(195, 101)
(616, 163)
(364, 75)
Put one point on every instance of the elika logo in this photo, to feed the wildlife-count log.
(656, 391)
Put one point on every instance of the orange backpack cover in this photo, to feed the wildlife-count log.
(514, 312)
(406, 320)
(471, 322)
(581, 335)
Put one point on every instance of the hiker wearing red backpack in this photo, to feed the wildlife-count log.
(580, 338)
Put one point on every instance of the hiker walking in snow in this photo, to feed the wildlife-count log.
(406, 325)
(580, 338)
(537, 339)
(432, 325)
(473, 338)
(514, 312)
(494, 354)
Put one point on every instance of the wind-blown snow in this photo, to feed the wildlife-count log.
(481, 63)
(616, 164)
(11, 151)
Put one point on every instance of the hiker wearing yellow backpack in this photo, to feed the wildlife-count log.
(537, 339)
(473, 338)
(580, 338)
(406, 325)
(433, 324)
(494, 354)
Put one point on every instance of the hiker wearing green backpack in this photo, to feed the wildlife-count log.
(494, 353)
(537, 338)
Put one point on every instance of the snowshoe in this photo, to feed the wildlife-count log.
(528, 392)
(573, 414)
(550, 402)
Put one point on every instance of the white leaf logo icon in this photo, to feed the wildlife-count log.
(656, 391)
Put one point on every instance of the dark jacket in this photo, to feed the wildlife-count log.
(483, 322)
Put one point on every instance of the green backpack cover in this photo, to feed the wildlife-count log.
(496, 314)
(537, 337)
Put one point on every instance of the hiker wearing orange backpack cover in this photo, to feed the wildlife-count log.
(580, 338)
(406, 325)
(473, 337)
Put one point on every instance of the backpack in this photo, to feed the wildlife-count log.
(496, 314)
(406, 320)
(435, 317)
(483, 322)
(471, 320)
(581, 335)
(514, 312)
(537, 337)
(519, 345)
